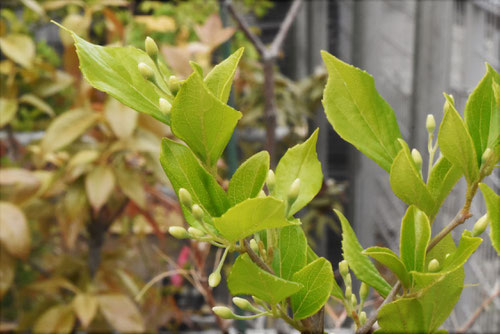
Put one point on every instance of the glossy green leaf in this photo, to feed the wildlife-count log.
(360, 264)
(466, 247)
(389, 259)
(185, 171)
(317, 279)
(114, 70)
(415, 236)
(456, 143)
(358, 113)
(311, 257)
(441, 181)
(300, 161)
(493, 208)
(220, 78)
(249, 178)
(251, 216)
(482, 114)
(202, 121)
(291, 254)
(247, 278)
(407, 183)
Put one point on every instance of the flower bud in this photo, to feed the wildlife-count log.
(343, 268)
(430, 123)
(486, 156)
(433, 266)
(261, 194)
(146, 71)
(197, 212)
(196, 232)
(270, 181)
(447, 256)
(354, 300)
(243, 304)
(223, 311)
(214, 279)
(254, 246)
(362, 317)
(151, 48)
(178, 232)
(348, 292)
(185, 198)
(174, 83)
(165, 106)
(417, 158)
(348, 280)
(363, 291)
(294, 190)
(480, 225)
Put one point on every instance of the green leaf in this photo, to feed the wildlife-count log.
(389, 259)
(456, 143)
(249, 178)
(220, 78)
(251, 216)
(113, 70)
(203, 122)
(441, 181)
(358, 113)
(493, 208)
(301, 161)
(415, 236)
(247, 278)
(407, 183)
(360, 264)
(290, 256)
(482, 114)
(467, 246)
(57, 319)
(317, 279)
(184, 171)
(336, 291)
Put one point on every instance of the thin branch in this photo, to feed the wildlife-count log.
(255, 258)
(285, 26)
(459, 219)
(480, 309)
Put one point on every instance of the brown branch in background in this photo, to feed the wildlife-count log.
(480, 309)
(285, 26)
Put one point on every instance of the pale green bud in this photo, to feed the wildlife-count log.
(151, 48)
(294, 190)
(223, 311)
(197, 212)
(261, 194)
(254, 246)
(417, 158)
(343, 268)
(146, 71)
(185, 198)
(433, 266)
(243, 304)
(430, 123)
(348, 292)
(174, 83)
(214, 279)
(363, 291)
(270, 181)
(348, 280)
(480, 226)
(354, 300)
(488, 153)
(165, 106)
(196, 232)
(362, 317)
(178, 232)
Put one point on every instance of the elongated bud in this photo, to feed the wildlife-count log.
(178, 232)
(354, 300)
(343, 268)
(214, 279)
(146, 71)
(254, 246)
(223, 311)
(197, 212)
(294, 190)
(165, 106)
(433, 266)
(261, 194)
(362, 317)
(348, 280)
(174, 84)
(270, 181)
(151, 48)
(480, 226)
(415, 154)
(348, 292)
(243, 304)
(430, 123)
(196, 232)
(486, 156)
(185, 198)
(363, 291)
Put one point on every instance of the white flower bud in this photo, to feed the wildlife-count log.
(196, 232)
(362, 317)
(223, 311)
(348, 292)
(165, 106)
(343, 268)
(197, 212)
(433, 266)
(354, 300)
(174, 83)
(486, 155)
(430, 123)
(363, 291)
(185, 198)
(270, 181)
(178, 232)
(254, 246)
(417, 158)
(294, 190)
(146, 71)
(214, 279)
(243, 304)
(151, 48)
(480, 225)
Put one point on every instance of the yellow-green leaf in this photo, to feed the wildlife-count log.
(85, 306)
(121, 313)
(121, 118)
(14, 230)
(99, 184)
(493, 208)
(220, 78)
(389, 259)
(415, 236)
(18, 47)
(58, 320)
(8, 109)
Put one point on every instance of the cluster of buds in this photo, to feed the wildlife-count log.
(226, 313)
(350, 300)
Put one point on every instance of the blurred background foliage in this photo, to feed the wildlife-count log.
(84, 203)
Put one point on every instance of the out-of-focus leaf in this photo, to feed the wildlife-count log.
(8, 109)
(34, 6)
(14, 230)
(18, 185)
(131, 185)
(156, 23)
(37, 102)
(18, 47)
(58, 320)
(99, 184)
(121, 118)
(7, 271)
(121, 313)
(85, 306)
(67, 127)
(77, 23)
(73, 213)
(49, 87)
(212, 33)
(493, 208)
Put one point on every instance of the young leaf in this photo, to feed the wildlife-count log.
(251, 216)
(99, 184)
(299, 162)
(360, 264)
(317, 279)
(15, 236)
(442, 179)
(407, 183)
(113, 70)
(85, 307)
(493, 208)
(467, 246)
(247, 278)
(482, 114)
(290, 256)
(249, 178)
(184, 171)
(389, 259)
(203, 122)
(121, 313)
(220, 78)
(415, 236)
(57, 319)
(358, 113)
(456, 143)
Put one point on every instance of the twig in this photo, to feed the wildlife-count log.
(459, 219)
(285, 26)
(255, 258)
(476, 314)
